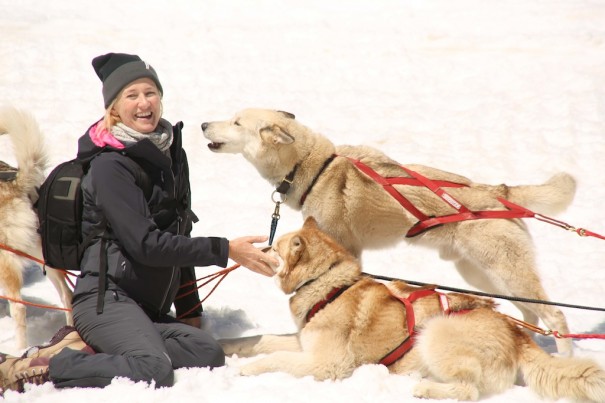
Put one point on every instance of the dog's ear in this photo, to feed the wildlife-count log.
(287, 114)
(297, 244)
(275, 135)
(296, 247)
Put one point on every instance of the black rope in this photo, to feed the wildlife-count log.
(484, 294)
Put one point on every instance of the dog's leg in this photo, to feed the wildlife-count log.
(58, 278)
(261, 344)
(507, 260)
(529, 287)
(411, 362)
(467, 355)
(12, 282)
(477, 277)
(18, 313)
(300, 364)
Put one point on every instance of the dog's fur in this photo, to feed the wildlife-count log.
(462, 356)
(18, 220)
(494, 255)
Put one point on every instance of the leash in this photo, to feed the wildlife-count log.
(484, 294)
(220, 275)
(284, 187)
(19, 301)
(275, 216)
(519, 322)
(40, 262)
(23, 254)
(554, 333)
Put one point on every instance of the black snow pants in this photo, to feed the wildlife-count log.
(130, 345)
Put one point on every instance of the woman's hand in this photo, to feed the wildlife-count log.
(242, 251)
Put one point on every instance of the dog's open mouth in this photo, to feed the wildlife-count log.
(215, 146)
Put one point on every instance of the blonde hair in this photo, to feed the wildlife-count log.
(110, 120)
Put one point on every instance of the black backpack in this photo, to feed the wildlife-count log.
(60, 204)
(59, 209)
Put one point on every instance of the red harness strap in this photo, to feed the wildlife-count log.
(332, 295)
(425, 222)
(387, 184)
(407, 344)
(463, 213)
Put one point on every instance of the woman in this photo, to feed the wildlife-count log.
(137, 208)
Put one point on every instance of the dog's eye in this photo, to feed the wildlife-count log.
(236, 123)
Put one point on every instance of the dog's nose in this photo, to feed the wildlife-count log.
(204, 125)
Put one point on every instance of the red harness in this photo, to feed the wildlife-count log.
(425, 222)
(406, 344)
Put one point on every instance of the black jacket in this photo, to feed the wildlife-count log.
(142, 199)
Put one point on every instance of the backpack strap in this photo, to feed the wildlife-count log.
(102, 264)
(102, 276)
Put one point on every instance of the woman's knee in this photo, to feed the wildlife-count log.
(216, 356)
(208, 354)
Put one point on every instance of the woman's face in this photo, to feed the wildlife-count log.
(139, 105)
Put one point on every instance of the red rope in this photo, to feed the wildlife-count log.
(19, 301)
(220, 275)
(23, 254)
(577, 336)
(554, 333)
(41, 262)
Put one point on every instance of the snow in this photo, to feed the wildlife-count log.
(510, 91)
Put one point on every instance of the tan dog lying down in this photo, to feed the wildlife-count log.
(461, 356)
(494, 255)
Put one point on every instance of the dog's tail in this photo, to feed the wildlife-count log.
(551, 197)
(561, 377)
(29, 147)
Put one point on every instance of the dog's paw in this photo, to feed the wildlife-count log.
(427, 389)
(423, 389)
(251, 369)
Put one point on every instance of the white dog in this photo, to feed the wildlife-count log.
(18, 220)
(495, 255)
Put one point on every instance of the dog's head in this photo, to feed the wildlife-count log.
(262, 136)
(305, 255)
(248, 130)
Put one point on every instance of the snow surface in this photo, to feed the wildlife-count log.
(510, 91)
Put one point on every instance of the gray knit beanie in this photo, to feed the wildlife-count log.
(117, 70)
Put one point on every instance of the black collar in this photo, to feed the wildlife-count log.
(323, 167)
(284, 186)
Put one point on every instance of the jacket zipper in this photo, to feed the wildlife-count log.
(178, 231)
